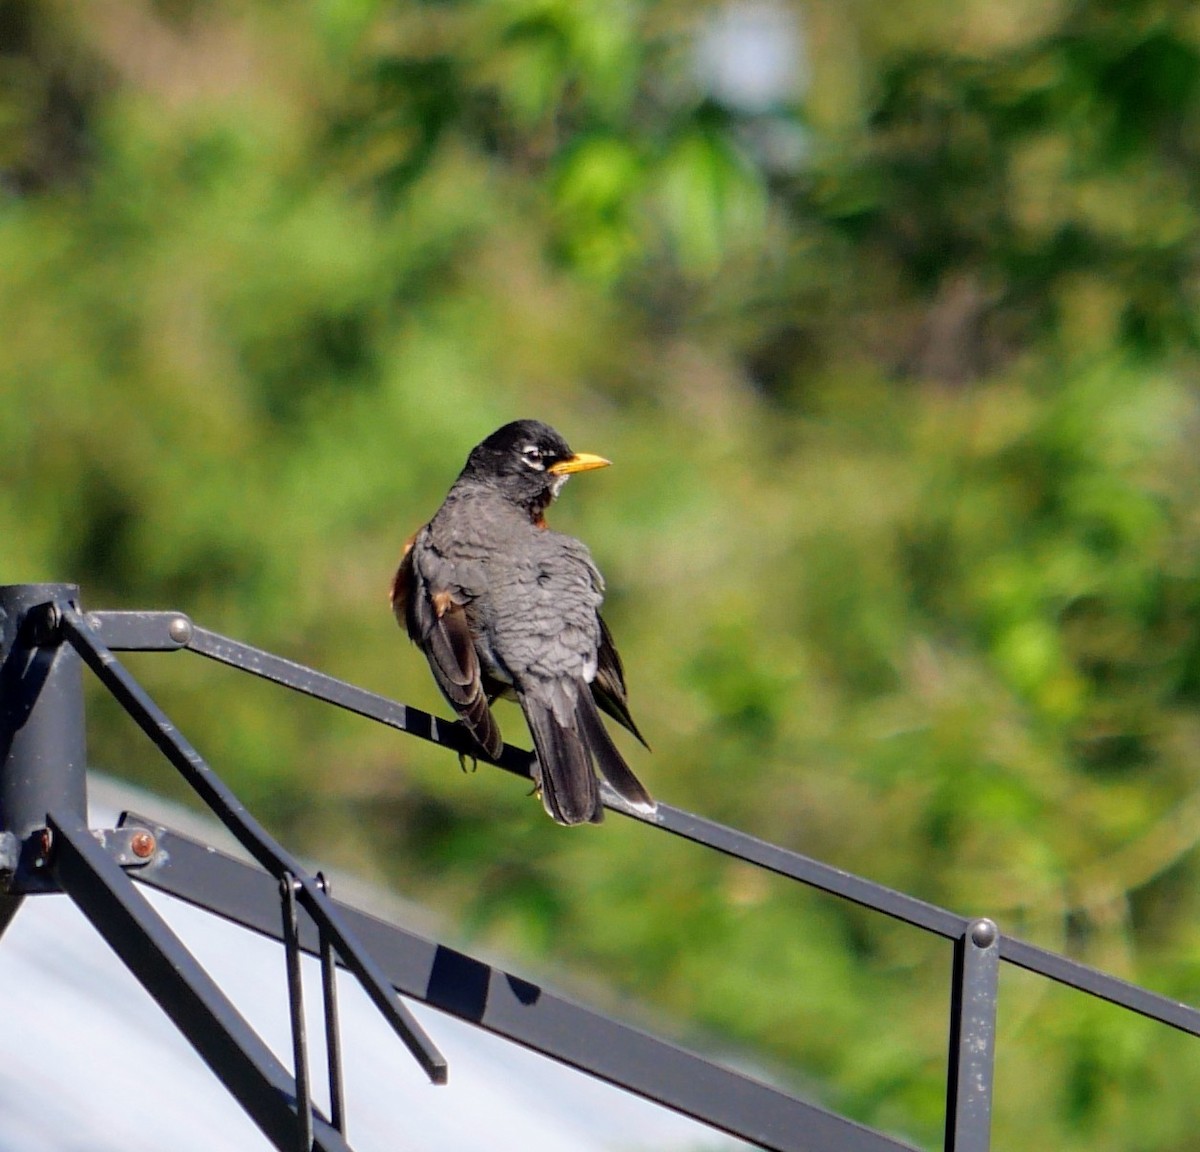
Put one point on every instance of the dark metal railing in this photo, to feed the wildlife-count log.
(45, 846)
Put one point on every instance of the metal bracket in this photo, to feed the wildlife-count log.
(142, 631)
(132, 847)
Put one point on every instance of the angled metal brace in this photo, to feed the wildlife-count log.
(169, 972)
(170, 631)
(84, 638)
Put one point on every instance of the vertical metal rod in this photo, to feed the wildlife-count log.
(181, 986)
(291, 947)
(43, 756)
(333, 1040)
(972, 1038)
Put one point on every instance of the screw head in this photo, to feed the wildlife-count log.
(984, 933)
(142, 844)
(180, 629)
(43, 842)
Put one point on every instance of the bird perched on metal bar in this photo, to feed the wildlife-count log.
(502, 605)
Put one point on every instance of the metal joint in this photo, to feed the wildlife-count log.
(142, 631)
(131, 847)
(41, 846)
(43, 626)
(984, 933)
(972, 1038)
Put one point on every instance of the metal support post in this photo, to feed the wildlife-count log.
(333, 1043)
(972, 1038)
(43, 756)
(295, 982)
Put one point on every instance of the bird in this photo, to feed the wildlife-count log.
(504, 606)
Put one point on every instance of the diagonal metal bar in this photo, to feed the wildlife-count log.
(805, 869)
(517, 1010)
(151, 631)
(249, 833)
(190, 764)
(169, 972)
(308, 681)
(170, 631)
(1084, 978)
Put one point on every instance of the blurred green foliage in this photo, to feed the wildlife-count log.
(899, 369)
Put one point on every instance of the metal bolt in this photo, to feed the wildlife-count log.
(984, 933)
(142, 845)
(180, 630)
(44, 624)
(43, 843)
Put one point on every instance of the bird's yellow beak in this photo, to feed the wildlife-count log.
(580, 462)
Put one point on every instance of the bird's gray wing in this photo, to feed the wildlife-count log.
(432, 608)
(608, 687)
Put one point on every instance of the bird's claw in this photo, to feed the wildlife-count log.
(467, 762)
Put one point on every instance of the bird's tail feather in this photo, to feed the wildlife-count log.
(570, 790)
(566, 754)
(608, 759)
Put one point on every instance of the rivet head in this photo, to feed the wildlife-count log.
(984, 933)
(142, 845)
(180, 629)
(43, 841)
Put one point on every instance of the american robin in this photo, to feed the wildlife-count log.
(501, 605)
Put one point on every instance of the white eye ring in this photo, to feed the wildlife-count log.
(532, 455)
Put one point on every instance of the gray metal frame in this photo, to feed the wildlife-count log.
(45, 846)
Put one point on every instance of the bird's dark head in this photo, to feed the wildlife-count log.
(529, 462)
